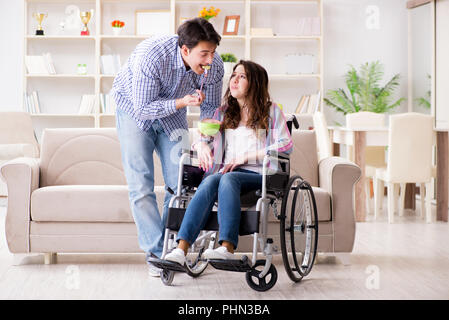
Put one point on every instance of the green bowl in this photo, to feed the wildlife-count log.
(208, 128)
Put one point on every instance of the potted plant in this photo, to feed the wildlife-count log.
(117, 26)
(365, 92)
(229, 61)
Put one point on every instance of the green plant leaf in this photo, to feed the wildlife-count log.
(365, 91)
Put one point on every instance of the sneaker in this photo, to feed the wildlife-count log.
(221, 253)
(154, 271)
(177, 255)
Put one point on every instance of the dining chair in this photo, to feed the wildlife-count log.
(322, 135)
(374, 155)
(409, 160)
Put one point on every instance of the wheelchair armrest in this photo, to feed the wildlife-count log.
(192, 153)
(276, 179)
(280, 155)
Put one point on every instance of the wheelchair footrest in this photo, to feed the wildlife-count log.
(241, 265)
(166, 265)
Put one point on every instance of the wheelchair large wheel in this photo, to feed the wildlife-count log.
(298, 228)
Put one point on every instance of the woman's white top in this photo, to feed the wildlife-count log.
(240, 141)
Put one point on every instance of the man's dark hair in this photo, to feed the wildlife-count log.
(195, 30)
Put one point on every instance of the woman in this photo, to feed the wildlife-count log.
(251, 125)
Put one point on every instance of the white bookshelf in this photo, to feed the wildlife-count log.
(60, 93)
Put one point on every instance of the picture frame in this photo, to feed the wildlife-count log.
(231, 25)
(152, 22)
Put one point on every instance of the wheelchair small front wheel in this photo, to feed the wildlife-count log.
(261, 284)
(298, 229)
(167, 276)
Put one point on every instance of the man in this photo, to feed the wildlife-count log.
(161, 77)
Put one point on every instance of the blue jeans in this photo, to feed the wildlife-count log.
(137, 149)
(226, 188)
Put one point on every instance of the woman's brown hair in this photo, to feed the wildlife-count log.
(257, 99)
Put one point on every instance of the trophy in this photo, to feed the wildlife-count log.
(39, 17)
(85, 17)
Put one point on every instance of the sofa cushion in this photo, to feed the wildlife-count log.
(81, 157)
(90, 203)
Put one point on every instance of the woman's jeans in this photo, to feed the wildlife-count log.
(137, 148)
(227, 189)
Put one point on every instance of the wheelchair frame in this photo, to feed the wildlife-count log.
(274, 188)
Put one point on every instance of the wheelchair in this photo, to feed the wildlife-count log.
(298, 221)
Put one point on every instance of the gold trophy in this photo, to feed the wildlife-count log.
(85, 17)
(39, 17)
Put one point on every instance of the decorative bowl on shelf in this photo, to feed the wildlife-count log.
(209, 127)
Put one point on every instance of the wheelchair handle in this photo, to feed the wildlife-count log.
(295, 122)
(292, 120)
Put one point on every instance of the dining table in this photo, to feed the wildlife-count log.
(361, 137)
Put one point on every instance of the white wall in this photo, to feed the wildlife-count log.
(347, 40)
(442, 64)
(421, 54)
(11, 74)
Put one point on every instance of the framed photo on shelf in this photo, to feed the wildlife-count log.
(231, 25)
(152, 22)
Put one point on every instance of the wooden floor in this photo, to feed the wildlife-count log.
(405, 260)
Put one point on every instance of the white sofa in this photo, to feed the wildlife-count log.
(74, 198)
(16, 140)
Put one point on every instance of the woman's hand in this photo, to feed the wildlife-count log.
(236, 162)
(205, 156)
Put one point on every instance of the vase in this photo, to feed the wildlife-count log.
(211, 20)
(228, 66)
(116, 31)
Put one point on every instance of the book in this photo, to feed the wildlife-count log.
(36, 65)
(300, 104)
(25, 103)
(309, 26)
(31, 102)
(305, 104)
(110, 64)
(262, 32)
(36, 103)
(49, 63)
(108, 104)
(87, 104)
(317, 102)
(314, 103)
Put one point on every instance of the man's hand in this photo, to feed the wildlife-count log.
(194, 100)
